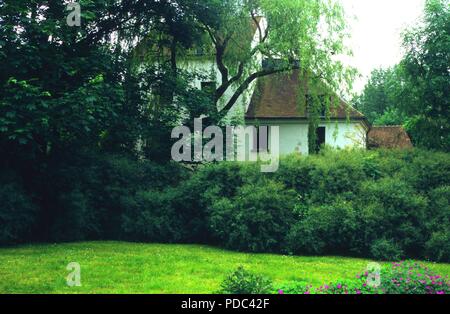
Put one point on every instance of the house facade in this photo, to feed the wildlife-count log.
(276, 100)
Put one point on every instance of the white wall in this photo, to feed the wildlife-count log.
(294, 135)
(345, 134)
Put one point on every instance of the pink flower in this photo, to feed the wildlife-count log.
(358, 291)
(339, 286)
(440, 292)
(280, 292)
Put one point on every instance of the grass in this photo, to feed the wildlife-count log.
(117, 267)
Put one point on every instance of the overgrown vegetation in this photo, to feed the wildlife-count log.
(381, 204)
(86, 114)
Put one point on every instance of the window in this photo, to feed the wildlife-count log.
(261, 139)
(320, 138)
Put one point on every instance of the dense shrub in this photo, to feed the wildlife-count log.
(120, 178)
(383, 204)
(336, 174)
(257, 219)
(296, 173)
(149, 216)
(438, 224)
(427, 170)
(244, 282)
(391, 209)
(323, 229)
(76, 219)
(438, 247)
(387, 250)
(87, 196)
(320, 179)
(17, 214)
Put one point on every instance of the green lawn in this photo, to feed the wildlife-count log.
(117, 267)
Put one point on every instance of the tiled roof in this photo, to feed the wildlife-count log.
(389, 137)
(277, 96)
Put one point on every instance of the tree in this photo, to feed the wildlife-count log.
(379, 99)
(427, 68)
(415, 92)
(303, 35)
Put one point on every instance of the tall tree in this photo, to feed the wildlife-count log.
(379, 99)
(415, 92)
(300, 34)
(427, 68)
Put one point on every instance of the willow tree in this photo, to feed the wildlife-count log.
(302, 35)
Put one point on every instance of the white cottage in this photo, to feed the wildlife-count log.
(276, 101)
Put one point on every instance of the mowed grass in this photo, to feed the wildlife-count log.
(118, 267)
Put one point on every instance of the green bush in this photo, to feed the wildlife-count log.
(149, 216)
(243, 282)
(296, 173)
(382, 204)
(327, 229)
(391, 209)
(438, 247)
(76, 219)
(427, 170)
(121, 177)
(336, 174)
(18, 214)
(320, 179)
(386, 250)
(438, 225)
(257, 219)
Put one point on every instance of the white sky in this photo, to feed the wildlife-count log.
(376, 32)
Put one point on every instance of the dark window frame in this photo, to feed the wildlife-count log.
(321, 137)
(259, 147)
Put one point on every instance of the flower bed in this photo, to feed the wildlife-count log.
(405, 277)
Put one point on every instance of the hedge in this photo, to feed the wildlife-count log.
(384, 204)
